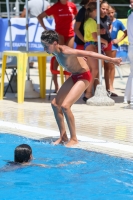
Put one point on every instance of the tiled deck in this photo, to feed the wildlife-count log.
(104, 129)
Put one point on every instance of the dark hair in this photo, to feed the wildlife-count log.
(84, 2)
(103, 3)
(49, 36)
(22, 153)
(91, 7)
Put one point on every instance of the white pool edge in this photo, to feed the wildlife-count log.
(127, 149)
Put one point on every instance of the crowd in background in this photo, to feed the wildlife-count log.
(109, 32)
(81, 27)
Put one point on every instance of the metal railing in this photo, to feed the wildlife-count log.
(12, 7)
(15, 7)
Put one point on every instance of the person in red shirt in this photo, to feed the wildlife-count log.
(64, 13)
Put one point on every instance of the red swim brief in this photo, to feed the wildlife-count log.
(85, 75)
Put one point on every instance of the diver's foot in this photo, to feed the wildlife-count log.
(60, 141)
(71, 143)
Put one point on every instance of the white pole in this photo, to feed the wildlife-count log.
(17, 8)
(99, 40)
(27, 26)
(9, 23)
(27, 39)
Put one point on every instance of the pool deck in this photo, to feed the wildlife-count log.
(107, 129)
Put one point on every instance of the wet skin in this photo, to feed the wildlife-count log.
(73, 61)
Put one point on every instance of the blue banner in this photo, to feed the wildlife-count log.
(19, 33)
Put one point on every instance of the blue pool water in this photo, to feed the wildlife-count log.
(97, 177)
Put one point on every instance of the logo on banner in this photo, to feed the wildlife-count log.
(18, 33)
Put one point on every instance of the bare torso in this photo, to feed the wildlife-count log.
(70, 62)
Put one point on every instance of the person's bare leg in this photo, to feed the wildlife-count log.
(96, 82)
(93, 65)
(68, 95)
(56, 105)
(94, 72)
(106, 76)
(73, 95)
(60, 122)
(70, 42)
(107, 71)
(112, 72)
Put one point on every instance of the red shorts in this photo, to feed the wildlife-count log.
(109, 47)
(85, 75)
(80, 46)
